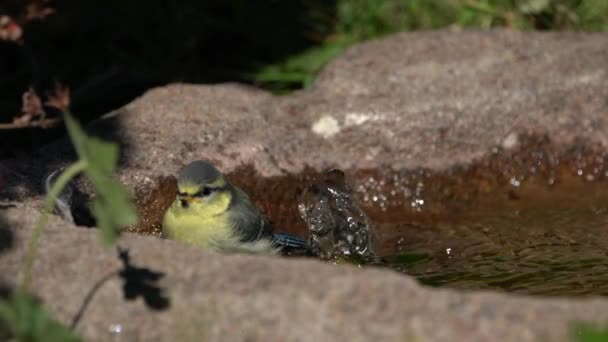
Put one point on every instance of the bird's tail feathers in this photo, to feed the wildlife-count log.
(288, 240)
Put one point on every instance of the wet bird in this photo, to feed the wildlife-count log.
(210, 212)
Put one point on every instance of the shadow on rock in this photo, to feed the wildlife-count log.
(24, 176)
(142, 282)
(137, 281)
(7, 237)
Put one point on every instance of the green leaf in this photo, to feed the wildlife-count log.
(588, 333)
(23, 318)
(112, 207)
(102, 155)
(113, 210)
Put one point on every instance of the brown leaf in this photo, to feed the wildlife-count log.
(38, 10)
(59, 97)
(31, 104)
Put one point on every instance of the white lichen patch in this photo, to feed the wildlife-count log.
(327, 126)
(510, 141)
(356, 119)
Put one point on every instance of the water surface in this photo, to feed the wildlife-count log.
(532, 220)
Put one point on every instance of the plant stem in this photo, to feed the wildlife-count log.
(49, 202)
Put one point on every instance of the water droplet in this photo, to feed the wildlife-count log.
(337, 225)
(400, 241)
(513, 181)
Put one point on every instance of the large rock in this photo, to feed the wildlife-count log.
(432, 99)
(214, 297)
(428, 99)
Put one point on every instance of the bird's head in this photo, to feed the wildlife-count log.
(202, 189)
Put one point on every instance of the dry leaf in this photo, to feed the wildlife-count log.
(59, 97)
(38, 10)
(9, 30)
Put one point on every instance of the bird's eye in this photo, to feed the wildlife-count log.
(205, 191)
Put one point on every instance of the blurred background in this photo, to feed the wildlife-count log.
(97, 56)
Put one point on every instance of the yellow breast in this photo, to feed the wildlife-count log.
(195, 228)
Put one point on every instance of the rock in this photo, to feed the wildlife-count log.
(213, 297)
(431, 100)
(424, 99)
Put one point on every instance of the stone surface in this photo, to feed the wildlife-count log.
(428, 99)
(215, 297)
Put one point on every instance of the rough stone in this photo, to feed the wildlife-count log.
(215, 297)
(427, 99)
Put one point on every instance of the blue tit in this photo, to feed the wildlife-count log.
(210, 212)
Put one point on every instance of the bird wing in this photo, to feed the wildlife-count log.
(247, 219)
(288, 240)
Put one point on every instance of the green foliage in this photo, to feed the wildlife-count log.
(26, 319)
(587, 333)
(536, 14)
(299, 70)
(112, 206)
(23, 318)
(359, 20)
(365, 19)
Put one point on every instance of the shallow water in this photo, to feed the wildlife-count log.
(544, 242)
(529, 220)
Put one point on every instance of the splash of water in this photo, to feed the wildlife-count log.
(337, 225)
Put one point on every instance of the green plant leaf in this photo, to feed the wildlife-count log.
(23, 318)
(101, 155)
(588, 333)
(112, 207)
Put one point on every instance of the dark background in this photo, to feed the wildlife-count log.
(108, 52)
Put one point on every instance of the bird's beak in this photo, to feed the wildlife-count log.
(184, 201)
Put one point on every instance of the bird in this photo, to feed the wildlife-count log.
(210, 212)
